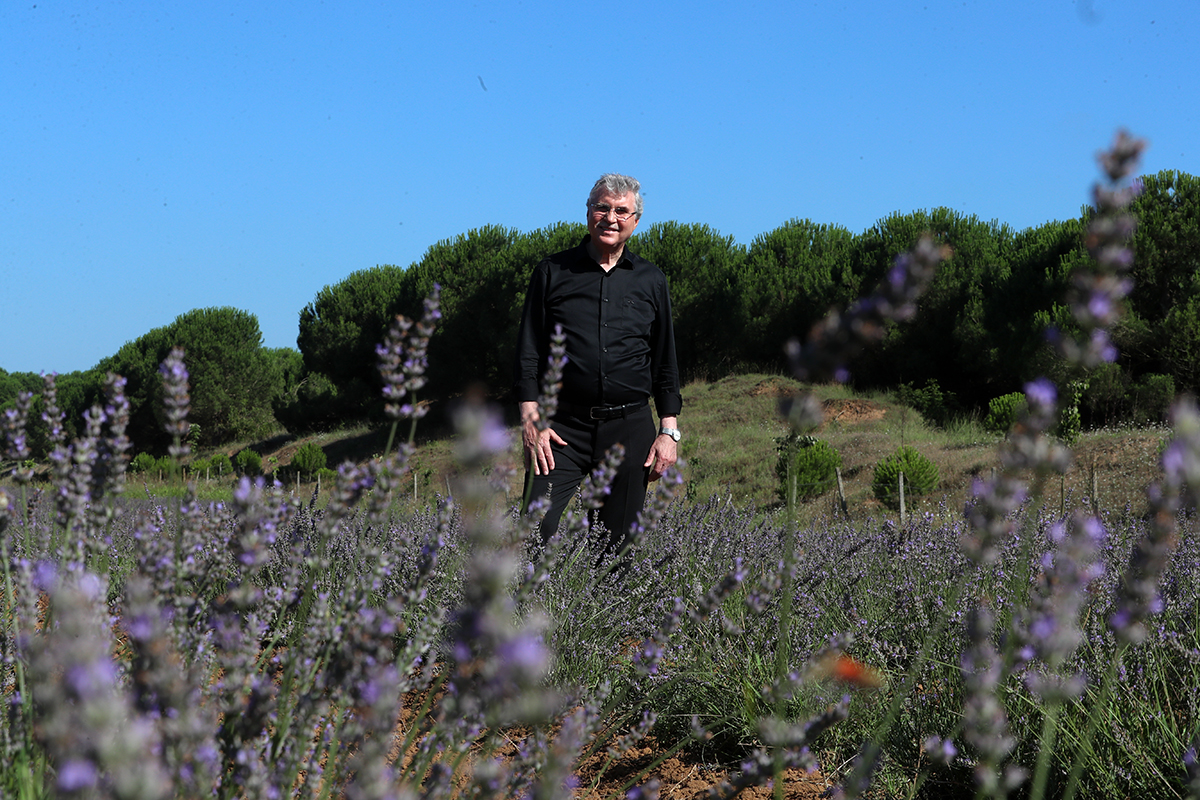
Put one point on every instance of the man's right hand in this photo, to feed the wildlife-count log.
(538, 452)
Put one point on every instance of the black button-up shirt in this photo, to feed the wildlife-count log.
(619, 336)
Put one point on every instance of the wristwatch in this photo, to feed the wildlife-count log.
(672, 432)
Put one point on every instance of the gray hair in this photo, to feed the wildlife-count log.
(612, 183)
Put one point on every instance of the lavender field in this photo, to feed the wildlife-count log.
(345, 646)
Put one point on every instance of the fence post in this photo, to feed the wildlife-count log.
(841, 491)
(1095, 488)
(902, 514)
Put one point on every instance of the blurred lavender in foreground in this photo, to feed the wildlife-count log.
(1179, 490)
(404, 357)
(552, 380)
(100, 744)
(176, 401)
(16, 448)
(1096, 296)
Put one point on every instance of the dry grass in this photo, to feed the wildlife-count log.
(730, 426)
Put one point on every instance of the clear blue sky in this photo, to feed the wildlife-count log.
(160, 157)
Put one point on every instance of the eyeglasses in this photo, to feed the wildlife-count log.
(600, 211)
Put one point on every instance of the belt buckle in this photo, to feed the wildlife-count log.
(592, 413)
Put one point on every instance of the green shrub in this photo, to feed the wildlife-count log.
(1152, 398)
(935, 405)
(920, 476)
(200, 466)
(248, 462)
(1003, 412)
(814, 464)
(219, 464)
(325, 474)
(1070, 421)
(309, 458)
(142, 462)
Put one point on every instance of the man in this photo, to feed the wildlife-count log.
(615, 311)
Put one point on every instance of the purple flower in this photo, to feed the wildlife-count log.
(403, 358)
(941, 750)
(1095, 296)
(77, 775)
(176, 400)
(1041, 395)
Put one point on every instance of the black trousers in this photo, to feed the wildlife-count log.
(587, 441)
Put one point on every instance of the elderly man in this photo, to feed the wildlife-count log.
(615, 311)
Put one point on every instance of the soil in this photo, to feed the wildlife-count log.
(680, 778)
(851, 410)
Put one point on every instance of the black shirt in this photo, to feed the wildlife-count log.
(619, 336)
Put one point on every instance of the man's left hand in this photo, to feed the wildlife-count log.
(663, 455)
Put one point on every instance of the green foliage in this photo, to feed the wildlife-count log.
(219, 464)
(248, 462)
(1166, 270)
(930, 401)
(142, 462)
(230, 380)
(706, 274)
(309, 458)
(1070, 422)
(229, 374)
(317, 405)
(1180, 338)
(1152, 398)
(13, 383)
(920, 476)
(793, 276)
(482, 274)
(808, 462)
(1112, 397)
(1003, 412)
(952, 318)
(199, 466)
(341, 326)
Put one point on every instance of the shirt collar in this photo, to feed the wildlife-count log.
(626, 260)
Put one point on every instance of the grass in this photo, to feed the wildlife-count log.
(730, 426)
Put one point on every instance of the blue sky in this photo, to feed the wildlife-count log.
(160, 157)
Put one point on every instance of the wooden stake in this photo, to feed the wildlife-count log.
(841, 491)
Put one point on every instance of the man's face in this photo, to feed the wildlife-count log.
(607, 231)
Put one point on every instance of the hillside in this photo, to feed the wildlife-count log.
(730, 427)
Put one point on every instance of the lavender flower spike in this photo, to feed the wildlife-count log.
(1139, 593)
(16, 447)
(176, 400)
(1096, 295)
(552, 380)
(403, 358)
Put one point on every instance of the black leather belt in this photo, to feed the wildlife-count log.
(601, 412)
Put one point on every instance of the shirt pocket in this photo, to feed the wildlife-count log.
(637, 316)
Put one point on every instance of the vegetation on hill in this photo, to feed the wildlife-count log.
(979, 331)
